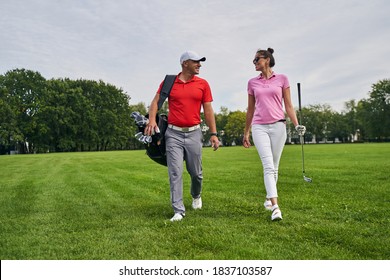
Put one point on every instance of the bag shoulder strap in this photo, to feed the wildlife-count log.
(166, 89)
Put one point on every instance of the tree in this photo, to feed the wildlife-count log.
(378, 108)
(111, 114)
(22, 91)
(221, 120)
(317, 119)
(67, 113)
(8, 126)
(234, 129)
(140, 107)
(338, 127)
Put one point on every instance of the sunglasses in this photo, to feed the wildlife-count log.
(257, 59)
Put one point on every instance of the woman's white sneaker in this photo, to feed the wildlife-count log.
(276, 213)
(268, 205)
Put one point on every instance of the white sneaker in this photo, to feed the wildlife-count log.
(268, 205)
(276, 213)
(197, 203)
(177, 217)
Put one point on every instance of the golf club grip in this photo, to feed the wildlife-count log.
(299, 95)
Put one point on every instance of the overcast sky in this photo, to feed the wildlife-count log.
(336, 49)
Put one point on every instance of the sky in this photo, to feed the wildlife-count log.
(336, 49)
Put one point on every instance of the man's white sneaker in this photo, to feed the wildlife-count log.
(197, 203)
(268, 205)
(276, 213)
(177, 217)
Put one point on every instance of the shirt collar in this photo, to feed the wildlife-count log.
(260, 77)
(180, 81)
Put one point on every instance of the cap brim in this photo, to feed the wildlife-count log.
(197, 60)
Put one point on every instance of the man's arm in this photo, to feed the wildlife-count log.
(210, 121)
(152, 125)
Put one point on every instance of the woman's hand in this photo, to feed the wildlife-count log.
(246, 142)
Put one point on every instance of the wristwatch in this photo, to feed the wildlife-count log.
(214, 134)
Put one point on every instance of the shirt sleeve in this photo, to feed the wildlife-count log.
(207, 96)
(160, 87)
(250, 89)
(286, 83)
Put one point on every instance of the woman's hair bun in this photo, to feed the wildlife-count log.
(270, 50)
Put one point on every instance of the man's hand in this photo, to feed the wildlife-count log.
(214, 142)
(151, 128)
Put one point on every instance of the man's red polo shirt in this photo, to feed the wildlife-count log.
(185, 101)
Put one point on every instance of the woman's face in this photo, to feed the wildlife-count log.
(260, 62)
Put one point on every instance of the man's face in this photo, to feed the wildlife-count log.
(192, 66)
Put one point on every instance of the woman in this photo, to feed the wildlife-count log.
(266, 95)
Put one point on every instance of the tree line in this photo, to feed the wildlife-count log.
(63, 115)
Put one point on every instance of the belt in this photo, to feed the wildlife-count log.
(184, 129)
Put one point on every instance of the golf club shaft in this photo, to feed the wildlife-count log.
(301, 139)
(303, 157)
(299, 100)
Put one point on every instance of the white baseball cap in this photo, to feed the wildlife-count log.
(192, 56)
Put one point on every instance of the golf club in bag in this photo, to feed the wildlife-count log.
(307, 179)
(155, 149)
(155, 144)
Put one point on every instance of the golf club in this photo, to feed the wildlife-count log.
(307, 179)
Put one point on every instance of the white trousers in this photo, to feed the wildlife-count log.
(269, 140)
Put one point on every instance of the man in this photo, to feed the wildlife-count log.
(183, 136)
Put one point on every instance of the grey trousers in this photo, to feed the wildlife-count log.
(183, 146)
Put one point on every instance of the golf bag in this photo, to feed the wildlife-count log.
(155, 147)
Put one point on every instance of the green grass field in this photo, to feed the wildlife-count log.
(115, 205)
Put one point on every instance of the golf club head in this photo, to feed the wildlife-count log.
(138, 136)
(307, 179)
